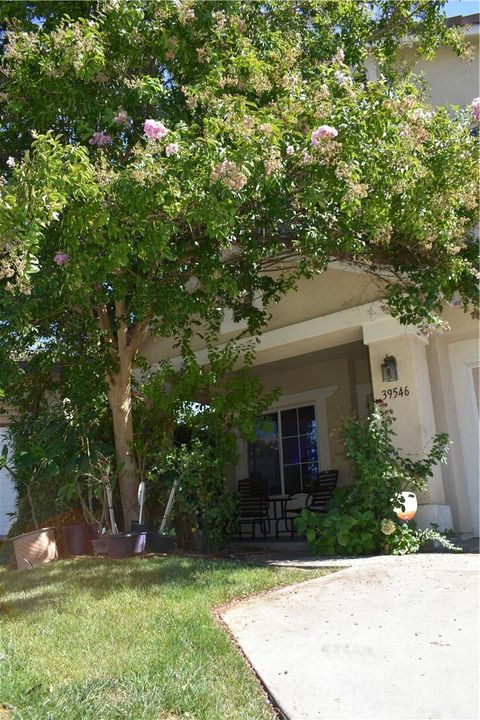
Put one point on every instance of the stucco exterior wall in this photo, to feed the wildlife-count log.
(457, 414)
(325, 294)
(447, 78)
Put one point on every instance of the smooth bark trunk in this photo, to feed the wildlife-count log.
(120, 399)
(124, 343)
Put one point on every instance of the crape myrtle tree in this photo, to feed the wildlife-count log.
(164, 160)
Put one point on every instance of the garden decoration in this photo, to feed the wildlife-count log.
(210, 154)
(405, 506)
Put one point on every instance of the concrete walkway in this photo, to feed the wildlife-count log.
(387, 638)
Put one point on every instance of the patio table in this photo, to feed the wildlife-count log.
(278, 504)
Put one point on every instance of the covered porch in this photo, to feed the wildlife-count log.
(330, 368)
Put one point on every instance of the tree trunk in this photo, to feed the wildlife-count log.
(120, 399)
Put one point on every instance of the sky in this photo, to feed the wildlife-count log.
(462, 7)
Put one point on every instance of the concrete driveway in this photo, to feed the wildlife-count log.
(387, 638)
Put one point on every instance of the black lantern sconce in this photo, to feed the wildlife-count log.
(389, 369)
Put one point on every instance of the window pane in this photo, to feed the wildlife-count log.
(308, 448)
(306, 420)
(291, 452)
(263, 455)
(292, 479)
(289, 422)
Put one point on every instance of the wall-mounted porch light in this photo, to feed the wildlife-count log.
(389, 369)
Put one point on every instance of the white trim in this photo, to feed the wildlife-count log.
(347, 322)
(463, 357)
(316, 397)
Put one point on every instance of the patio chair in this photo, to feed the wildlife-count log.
(253, 506)
(324, 486)
(319, 492)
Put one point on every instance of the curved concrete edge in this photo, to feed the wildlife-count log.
(389, 637)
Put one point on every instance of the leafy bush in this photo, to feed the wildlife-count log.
(360, 518)
(203, 499)
(194, 442)
(51, 460)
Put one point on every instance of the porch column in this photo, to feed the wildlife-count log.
(412, 405)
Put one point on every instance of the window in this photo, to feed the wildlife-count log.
(286, 452)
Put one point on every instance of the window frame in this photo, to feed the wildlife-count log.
(317, 398)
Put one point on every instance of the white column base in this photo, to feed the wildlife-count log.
(440, 515)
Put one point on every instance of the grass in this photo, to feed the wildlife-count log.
(130, 640)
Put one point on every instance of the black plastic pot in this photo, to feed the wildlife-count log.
(99, 546)
(142, 527)
(124, 545)
(77, 539)
(160, 543)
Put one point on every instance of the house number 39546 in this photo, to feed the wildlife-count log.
(396, 392)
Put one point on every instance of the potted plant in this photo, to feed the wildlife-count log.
(157, 541)
(37, 546)
(82, 538)
(98, 481)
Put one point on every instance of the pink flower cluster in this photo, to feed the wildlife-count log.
(61, 258)
(325, 132)
(10, 162)
(341, 78)
(154, 129)
(172, 149)
(476, 109)
(230, 175)
(100, 139)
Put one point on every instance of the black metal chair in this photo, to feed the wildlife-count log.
(325, 484)
(318, 493)
(253, 506)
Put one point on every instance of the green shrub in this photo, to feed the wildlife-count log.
(360, 519)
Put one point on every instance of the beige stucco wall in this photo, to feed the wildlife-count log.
(330, 292)
(461, 473)
(324, 294)
(448, 79)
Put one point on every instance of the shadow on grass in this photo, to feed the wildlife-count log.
(47, 585)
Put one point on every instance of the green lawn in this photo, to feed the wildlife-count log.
(132, 639)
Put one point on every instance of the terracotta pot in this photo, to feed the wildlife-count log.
(77, 539)
(124, 544)
(35, 548)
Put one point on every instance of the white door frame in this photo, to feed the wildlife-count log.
(315, 397)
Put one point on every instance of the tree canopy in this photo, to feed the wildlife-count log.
(163, 161)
